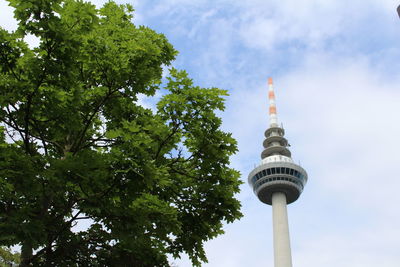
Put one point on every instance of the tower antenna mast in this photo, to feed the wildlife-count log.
(273, 117)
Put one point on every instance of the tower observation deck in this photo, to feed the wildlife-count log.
(277, 181)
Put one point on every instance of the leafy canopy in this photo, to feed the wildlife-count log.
(76, 145)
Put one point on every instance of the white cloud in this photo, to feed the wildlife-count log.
(347, 111)
(7, 20)
(310, 23)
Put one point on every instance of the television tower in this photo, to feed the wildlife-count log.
(277, 181)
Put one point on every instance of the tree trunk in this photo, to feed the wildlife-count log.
(26, 255)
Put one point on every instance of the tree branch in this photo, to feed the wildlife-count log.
(76, 145)
(164, 142)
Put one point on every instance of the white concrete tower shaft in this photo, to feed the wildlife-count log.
(282, 253)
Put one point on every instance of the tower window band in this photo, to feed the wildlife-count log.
(280, 170)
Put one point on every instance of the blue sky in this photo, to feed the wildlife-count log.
(336, 67)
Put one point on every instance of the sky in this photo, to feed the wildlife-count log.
(336, 70)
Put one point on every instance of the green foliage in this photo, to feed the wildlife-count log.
(76, 145)
(8, 258)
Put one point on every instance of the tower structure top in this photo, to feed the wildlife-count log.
(277, 172)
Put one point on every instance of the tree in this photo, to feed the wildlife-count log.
(76, 145)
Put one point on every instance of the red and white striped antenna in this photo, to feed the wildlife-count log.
(273, 119)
